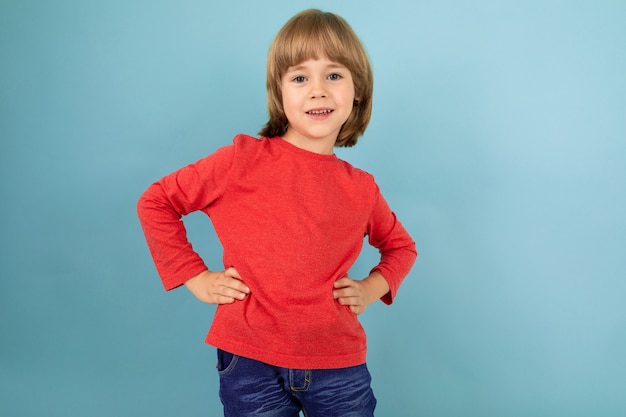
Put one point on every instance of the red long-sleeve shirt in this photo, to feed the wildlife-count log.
(291, 222)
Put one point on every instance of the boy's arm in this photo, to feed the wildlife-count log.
(161, 207)
(396, 247)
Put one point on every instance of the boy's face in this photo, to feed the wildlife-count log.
(318, 97)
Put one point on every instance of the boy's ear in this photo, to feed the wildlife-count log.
(356, 101)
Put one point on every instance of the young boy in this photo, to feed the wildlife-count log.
(291, 218)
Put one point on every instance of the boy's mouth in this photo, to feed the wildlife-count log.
(319, 112)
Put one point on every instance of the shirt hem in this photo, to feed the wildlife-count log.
(288, 361)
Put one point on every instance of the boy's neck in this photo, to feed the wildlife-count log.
(320, 146)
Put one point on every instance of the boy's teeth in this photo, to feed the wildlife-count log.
(319, 111)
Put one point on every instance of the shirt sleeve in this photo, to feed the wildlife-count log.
(161, 207)
(397, 249)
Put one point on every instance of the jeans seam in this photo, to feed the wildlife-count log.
(307, 381)
(230, 366)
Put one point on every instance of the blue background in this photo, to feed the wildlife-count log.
(498, 136)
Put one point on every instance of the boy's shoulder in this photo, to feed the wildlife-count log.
(246, 143)
(242, 139)
(353, 169)
(241, 146)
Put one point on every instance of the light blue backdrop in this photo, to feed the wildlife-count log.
(498, 136)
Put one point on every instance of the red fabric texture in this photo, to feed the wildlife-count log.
(291, 222)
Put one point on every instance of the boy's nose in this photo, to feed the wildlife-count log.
(317, 90)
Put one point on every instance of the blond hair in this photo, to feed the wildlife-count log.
(313, 34)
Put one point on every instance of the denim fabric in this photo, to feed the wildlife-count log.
(250, 388)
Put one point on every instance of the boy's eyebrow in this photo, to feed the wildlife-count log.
(332, 65)
(296, 68)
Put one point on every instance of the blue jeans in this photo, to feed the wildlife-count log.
(250, 388)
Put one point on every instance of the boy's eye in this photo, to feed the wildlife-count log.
(334, 77)
(299, 79)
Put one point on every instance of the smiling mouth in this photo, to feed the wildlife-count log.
(320, 112)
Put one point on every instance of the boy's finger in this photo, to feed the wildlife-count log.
(232, 272)
(343, 282)
(341, 293)
(235, 285)
(224, 299)
(233, 293)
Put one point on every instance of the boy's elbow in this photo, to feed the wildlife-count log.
(141, 204)
(412, 254)
(145, 202)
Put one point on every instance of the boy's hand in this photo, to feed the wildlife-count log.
(223, 287)
(358, 295)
